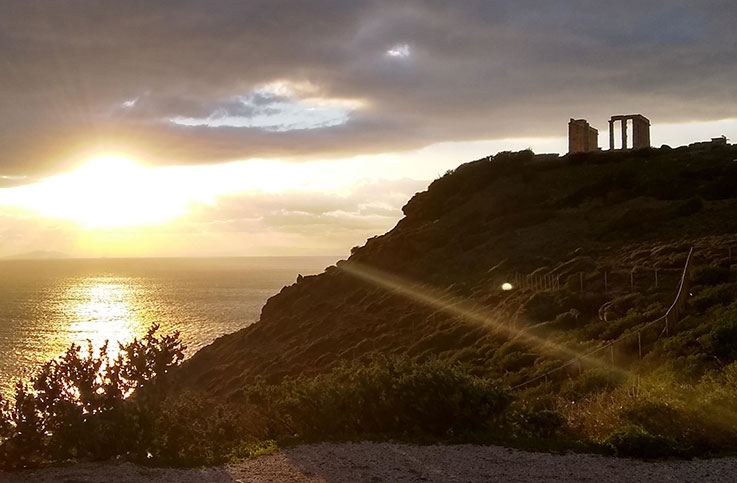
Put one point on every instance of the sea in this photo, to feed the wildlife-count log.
(47, 305)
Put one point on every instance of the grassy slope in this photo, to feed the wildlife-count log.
(476, 227)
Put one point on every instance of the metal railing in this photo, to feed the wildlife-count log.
(671, 316)
(610, 281)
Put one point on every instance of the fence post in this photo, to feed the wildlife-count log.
(639, 344)
(656, 278)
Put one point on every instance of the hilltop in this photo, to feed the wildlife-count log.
(570, 219)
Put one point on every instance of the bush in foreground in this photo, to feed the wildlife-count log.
(384, 397)
(86, 405)
(634, 440)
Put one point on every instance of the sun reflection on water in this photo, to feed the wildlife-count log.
(46, 306)
(103, 310)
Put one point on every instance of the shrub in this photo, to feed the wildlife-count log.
(723, 340)
(633, 440)
(567, 320)
(542, 306)
(687, 369)
(616, 328)
(515, 361)
(83, 404)
(656, 417)
(544, 423)
(708, 275)
(689, 207)
(6, 428)
(385, 396)
(190, 431)
(592, 381)
(712, 296)
(620, 306)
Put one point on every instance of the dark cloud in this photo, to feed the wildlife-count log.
(476, 69)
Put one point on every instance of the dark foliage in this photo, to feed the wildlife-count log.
(714, 296)
(591, 382)
(723, 336)
(543, 423)
(710, 275)
(192, 431)
(87, 406)
(634, 440)
(387, 396)
(688, 207)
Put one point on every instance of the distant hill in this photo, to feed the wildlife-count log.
(593, 227)
(38, 255)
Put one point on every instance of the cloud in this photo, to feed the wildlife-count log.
(80, 76)
(242, 223)
(274, 108)
(369, 208)
(400, 50)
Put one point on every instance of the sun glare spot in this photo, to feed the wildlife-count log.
(109, 190)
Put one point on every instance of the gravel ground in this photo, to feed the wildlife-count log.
(384, 462)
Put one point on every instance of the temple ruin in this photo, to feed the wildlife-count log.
(582, 138)
(640, 131)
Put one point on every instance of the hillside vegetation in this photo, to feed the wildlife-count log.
(588, 232)
(475, 228)
(413, 337)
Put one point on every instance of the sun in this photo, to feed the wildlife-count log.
(109, 190)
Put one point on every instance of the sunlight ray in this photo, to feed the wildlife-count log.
(467, 310)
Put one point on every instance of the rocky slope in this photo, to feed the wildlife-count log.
(431, 286)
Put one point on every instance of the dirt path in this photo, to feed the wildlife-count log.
(384, 462)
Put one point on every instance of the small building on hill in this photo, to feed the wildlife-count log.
(715, 142)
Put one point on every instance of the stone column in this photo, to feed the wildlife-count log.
(624, 133)
(611, 134)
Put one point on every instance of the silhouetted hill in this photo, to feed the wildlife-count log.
(431, 286)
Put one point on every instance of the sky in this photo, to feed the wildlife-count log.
(274, 127)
